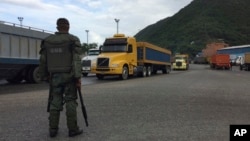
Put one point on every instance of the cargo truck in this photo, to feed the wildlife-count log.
(87, 61)
(124, 56)
(220, 61)
(181, 62)
(245, 62)
(19, 52)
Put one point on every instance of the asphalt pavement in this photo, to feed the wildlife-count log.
(195, 105)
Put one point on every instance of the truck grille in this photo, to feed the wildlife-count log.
(102, 62)
(178, 63)
(103, 69)
(86, 63)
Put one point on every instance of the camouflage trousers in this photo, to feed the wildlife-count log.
(63, 90)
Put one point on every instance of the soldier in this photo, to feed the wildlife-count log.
(60, 64)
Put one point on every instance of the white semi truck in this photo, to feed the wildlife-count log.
(19, 52)
(88, 60)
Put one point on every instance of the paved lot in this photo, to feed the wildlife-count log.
(194, 105)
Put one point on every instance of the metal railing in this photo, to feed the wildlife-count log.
(26, 27)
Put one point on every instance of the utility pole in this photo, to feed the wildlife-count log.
(117, 25)
(87, 31)
(21, 20)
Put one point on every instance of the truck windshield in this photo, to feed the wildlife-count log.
(179, 58)
(114, 48)
(93, 52)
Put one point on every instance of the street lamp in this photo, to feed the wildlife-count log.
(87, 31)
(21, 20)
(117, 23)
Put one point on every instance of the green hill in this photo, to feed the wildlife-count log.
(199, 23)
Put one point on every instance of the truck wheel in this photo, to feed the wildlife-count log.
(32, 75)
(85, 74)
(17, 79)
(165, 70)
(99, 76)
(154, 71)
(124, 74)
(241, 67)
(168, 69)
(149, 71)
(35, 75)
(144, 71)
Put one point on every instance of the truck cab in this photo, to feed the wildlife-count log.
(181, 62)
(118, 57)
(245, 62)
(87, 61)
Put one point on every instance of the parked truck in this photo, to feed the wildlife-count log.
(87, 61)
(220, 61)
(19, 52)
(181, 61)
(124, 56)
(200, 60)
(245, 62)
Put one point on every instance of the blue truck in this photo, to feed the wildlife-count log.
(19, 52)
(124, 56)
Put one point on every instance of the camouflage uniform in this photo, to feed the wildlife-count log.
(62, 84)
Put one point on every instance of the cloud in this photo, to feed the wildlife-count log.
(97, 16)
(32, 4)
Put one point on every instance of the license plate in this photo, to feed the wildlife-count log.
(85, 68)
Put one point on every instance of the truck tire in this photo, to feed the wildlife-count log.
(154, 71)
(168, 69)
(17, 79)
(241, 67)
(149, 71)
(85, 74)
(32, 75)
(36, 76)
(100, 76)
(124, 74)
(144, 71)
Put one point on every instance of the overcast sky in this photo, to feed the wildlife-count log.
(97, 16)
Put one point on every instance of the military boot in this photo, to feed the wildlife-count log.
(72, 118)
(53, 122)
(53, 132)
(76, 132)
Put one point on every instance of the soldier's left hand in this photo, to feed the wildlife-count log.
(78, 83)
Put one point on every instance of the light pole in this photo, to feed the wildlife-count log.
(117, 24)
(87, 31)
(21, 20)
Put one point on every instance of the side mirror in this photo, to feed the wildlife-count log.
(130, 49)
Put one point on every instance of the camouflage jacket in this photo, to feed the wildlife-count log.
(77, 51)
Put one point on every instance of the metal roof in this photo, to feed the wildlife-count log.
(235, 47)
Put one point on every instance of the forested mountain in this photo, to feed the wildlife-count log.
(201, 22)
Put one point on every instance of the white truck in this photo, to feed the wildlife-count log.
(87, 61)
(19, 52)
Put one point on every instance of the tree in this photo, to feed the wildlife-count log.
(86, 46)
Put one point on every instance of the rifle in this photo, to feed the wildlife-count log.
(84, 112)
(50, 96)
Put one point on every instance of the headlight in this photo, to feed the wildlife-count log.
(114, 65)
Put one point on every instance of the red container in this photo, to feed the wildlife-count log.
(220, 61)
